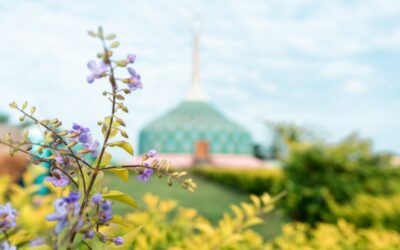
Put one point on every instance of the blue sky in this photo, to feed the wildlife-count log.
(331, 65)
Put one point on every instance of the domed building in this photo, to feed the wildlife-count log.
(196, 132)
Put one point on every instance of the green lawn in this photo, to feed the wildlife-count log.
(210, 200)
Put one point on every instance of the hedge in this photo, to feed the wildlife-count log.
(252, 181)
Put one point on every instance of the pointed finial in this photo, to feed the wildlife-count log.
(197, 91)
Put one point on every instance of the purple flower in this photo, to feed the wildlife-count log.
(84, 133)
(6, 246)
(96, 198)
(7, 217)
(118, 240)
(151, 153)
(72, 198)
(58, 179)
(131, 58)
(60, 215)
(89, 234)
(92, 146)
(134, 81)
(64, 206)
(98, 70)
(36, 242)
(60, 159)
(105, 213)
(145, 175)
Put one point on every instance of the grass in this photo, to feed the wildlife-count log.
(211, 200)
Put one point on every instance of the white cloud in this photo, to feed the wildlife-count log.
(248, 47)
(345, 68)
(355, 87)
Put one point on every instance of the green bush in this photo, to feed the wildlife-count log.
(252, 181)
(321, 177)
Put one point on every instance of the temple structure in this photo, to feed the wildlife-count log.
(196, 132)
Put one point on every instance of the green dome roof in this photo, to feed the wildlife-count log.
(180, 129)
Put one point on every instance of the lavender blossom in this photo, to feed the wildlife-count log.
(89, 234)
(92, 146)
(131, 58)
(118, 240)
(58, 178)
(60, 159)
(6, 246)
(64, 206)
(98, 70)
(145, 175)
(105, 214)
(151, 153)
(7, 217)
(134, 81)
(37, 242)
(96, 198)
(84, 133)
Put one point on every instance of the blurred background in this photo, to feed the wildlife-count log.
(302, 95)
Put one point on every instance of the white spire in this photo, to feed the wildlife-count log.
(197, 91)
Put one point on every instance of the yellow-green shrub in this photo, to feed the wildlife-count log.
(165, 226)
(31, 207)
(332, 237)
(372, 211)
(252, 181)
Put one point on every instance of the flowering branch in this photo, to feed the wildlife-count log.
(88, 205)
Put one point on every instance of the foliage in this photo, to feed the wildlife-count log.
(84, 206)
(321, 177)
(32, 208)
(372, 211)
(252, 181)
(332, 237)
(169, 227)
(161, 224)
(284, 134)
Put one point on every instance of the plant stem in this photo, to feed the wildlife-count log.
(106, 138)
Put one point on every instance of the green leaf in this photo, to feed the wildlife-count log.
(119, 220)
(111, 36)
(41, 247)
(114, 44)
(121, 63)
(33, 110)
(106, 159)
(121, 197)
(128, 239)
(124, 145)
(122, 173)
(96, 243)
(123, 133)
(24, 105)
(92, 33)
(113, 132)
(13, 105)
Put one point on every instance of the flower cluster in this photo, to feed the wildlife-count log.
(6, 246)
(64, 207)
(98, 70)
(82, 134)
(148, 170)
(58, 179)
(7, 217)
(105, 214)
(102, 69)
